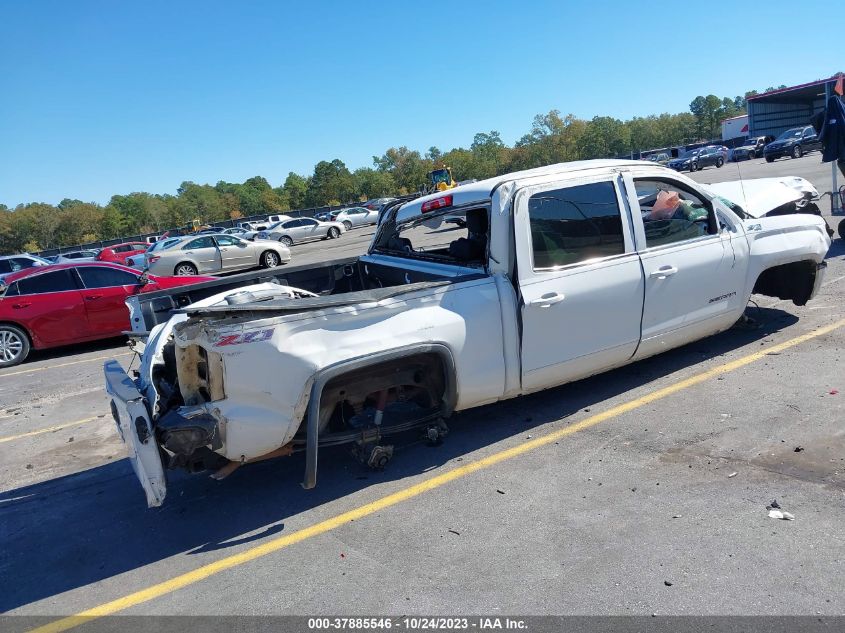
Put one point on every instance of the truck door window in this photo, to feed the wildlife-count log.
(575, 224)
(672, 214)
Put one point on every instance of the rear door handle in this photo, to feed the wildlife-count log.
(663, 272)
(547, 300)
(93, 297)
(22, 305)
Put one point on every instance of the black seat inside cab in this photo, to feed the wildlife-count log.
(474, 246)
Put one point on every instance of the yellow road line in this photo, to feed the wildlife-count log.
(12, 438)
(75, 362)
(206, 571)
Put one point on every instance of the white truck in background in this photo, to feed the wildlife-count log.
(556, 274)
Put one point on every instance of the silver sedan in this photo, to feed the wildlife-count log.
(201, 254)
(355, 216)
(290, 232)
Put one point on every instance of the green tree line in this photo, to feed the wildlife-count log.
(553, 138)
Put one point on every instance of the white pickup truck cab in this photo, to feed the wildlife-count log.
(552, 275)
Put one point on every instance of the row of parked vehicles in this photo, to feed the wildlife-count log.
(80, 296)
(792, 143)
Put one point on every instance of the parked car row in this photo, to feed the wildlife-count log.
(51, 305)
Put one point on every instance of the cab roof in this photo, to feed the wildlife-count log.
(482, 190)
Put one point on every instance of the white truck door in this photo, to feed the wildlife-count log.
(694, 275)
(580, 279)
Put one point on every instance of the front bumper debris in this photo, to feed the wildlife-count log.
(136, 430)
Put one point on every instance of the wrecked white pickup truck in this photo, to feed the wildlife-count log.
(554, 274)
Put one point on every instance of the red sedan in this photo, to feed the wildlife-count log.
(118, 253)
(49, 306)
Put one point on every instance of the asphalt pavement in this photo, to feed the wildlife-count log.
(639, 491)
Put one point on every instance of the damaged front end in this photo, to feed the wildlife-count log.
(166, 415)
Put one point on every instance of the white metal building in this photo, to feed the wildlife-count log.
(778, 110)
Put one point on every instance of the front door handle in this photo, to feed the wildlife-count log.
(547, 300)
(663, 272)
(93, 297)
(21, 306)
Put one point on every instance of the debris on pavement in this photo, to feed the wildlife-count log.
(776, 512)
(833, 392)
(732, 475)
(501, 492)
(454, 532)
(798, 449)
(781, 514)
(667, 583)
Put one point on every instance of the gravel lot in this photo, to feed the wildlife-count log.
(658, 507)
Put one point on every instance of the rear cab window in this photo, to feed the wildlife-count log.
(450, 235)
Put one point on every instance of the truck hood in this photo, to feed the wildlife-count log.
(759, 196)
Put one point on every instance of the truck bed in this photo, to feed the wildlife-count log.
(338, 282)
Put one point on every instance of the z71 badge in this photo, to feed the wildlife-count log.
(248, 337)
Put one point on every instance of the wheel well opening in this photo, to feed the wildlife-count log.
(404, 388)
(793, 281)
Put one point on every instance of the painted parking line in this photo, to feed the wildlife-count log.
(50, 429)
(274, 545)
(75, 362)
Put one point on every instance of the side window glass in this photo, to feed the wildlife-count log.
(57, 281)
(671, 214)
(101, 277)
(19, 263)
(308, 222)
(200, 242)
(225, 240)
(5, 266)
(11, 291)
(575, 224)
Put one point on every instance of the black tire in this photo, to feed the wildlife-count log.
(751, 155)
(185, 269)
(719, 163)
(270, 259)
(797, 152)
(770, 159)
(693, 167)
(333, 233)
(14, 345)
(841, 230)
(286, 241)
(348, 225)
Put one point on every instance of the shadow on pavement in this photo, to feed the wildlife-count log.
(58, 353)
(69, 532)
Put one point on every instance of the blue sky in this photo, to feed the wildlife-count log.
(98, 98)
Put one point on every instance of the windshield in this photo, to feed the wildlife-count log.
(166, 243)
(795, 133)
(439, 175)
(690, 154)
